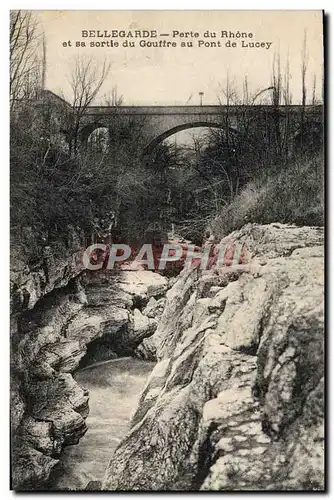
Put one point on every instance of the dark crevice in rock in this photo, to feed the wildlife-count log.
(36, 316)
(97, 351)
(139, 302)
(206, 457)
(250, 349)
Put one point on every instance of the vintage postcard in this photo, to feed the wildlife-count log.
(167, 250)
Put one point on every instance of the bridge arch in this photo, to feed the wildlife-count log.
(99, 139)
(86, 131)
(184, 126)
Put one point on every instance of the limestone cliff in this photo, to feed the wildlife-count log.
(61, 317)
(235, 401)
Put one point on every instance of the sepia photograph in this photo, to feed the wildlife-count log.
(167, 211)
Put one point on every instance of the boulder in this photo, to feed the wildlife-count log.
(142, 284)
(154, 308)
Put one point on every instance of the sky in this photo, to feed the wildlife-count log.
(176, 75)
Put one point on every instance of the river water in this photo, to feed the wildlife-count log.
(114, 390)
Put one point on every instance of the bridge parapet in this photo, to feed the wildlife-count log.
(201, 110)
(159, 122)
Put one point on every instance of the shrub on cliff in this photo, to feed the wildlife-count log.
(292, 195)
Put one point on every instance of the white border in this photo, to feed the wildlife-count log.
(168, 5)
(4, 194)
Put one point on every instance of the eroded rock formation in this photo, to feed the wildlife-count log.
(235, 401)
(62, 317)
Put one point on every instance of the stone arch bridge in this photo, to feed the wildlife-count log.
(159, 122)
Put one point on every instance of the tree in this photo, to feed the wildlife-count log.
(86, 80)
(303, 82)
(25, 60)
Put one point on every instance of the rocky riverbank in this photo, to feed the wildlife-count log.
(62, 318)
(235, 401)
(114, 389)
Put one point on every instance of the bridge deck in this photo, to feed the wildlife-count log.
(193, 110)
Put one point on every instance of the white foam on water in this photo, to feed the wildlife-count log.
(114, 390)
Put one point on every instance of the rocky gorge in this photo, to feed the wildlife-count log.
(235, 398)
(63, 318)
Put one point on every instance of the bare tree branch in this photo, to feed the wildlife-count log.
(25, 64)
(86, 79)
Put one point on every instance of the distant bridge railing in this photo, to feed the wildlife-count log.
(202, 110)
